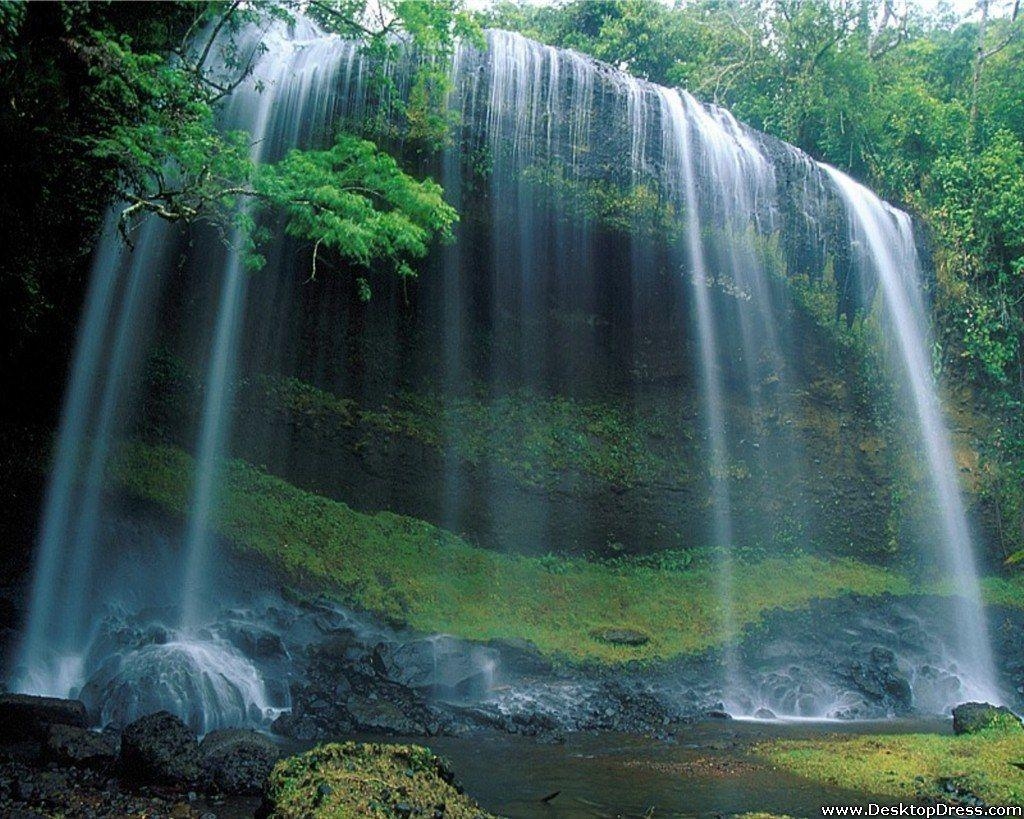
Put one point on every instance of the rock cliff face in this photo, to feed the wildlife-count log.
(539, 386)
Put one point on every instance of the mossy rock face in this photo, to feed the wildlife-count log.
(356, 779)
(974, 717)
(408, 571)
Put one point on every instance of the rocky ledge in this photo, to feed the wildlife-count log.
(50, 763)
(157, 767)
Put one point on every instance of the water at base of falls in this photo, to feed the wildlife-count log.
(799, 692)
(199, 677)
(133, 657)
(206, 682)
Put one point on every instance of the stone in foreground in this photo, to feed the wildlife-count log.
(237, 761)
(71, 745)
(24, 716)
(972, 717)
(160, 749)
(354, 779)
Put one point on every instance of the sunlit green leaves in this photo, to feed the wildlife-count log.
(355, 200)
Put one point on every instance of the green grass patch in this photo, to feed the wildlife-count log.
(911, 765)
(411, 571)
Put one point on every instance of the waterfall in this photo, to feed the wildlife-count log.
(676, 125)
(885, 238)
(687, 288)
(296, 83)
(203, 679)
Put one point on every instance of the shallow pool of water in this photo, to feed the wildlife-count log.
(707, 770)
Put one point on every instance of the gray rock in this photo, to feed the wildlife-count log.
(71, 745)
(237, 761)
(444, 666)
(160, 749)
(520, 658)
(972, 717)
(621, 636)
(381, 716)
(27, 717)
(881, 680)
(255, 640)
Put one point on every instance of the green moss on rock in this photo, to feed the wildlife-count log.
(354, 779)
(410, 571)
(539, 438)
(978, 717)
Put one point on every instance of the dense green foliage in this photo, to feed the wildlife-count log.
(927, 108)
(356, 200)
(113, 102)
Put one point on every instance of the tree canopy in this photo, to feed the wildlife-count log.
(118, 103)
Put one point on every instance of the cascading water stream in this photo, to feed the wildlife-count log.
(250, 110)
(549, 127)
(203, 678)
(886, 239)
(49, 665)
(676, 138)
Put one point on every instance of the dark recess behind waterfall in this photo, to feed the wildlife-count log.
(55, 196)
(621, 336)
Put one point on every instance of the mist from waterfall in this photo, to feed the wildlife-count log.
(695, 294)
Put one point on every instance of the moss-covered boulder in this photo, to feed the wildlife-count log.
(973, 717)
(356, 779)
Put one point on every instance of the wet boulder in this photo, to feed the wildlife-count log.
(520, 658)
(442, 665)
(972, 717)
(236, 761)
(25, 717)
(254, 640)
(376, 715)
(882, 681)
(160, 749)
(71, 745)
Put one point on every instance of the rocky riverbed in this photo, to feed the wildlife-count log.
(156, 767)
